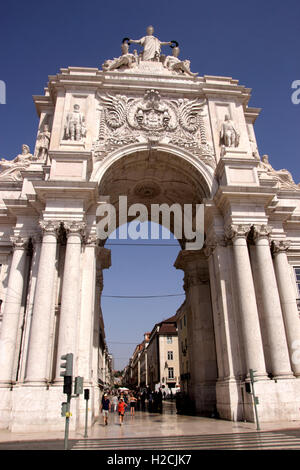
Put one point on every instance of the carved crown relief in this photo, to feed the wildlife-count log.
(152, 118)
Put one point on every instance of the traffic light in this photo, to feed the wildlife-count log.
(67, 366)
(86, 394)
(78, 386)
(248, 387)
(68, 385)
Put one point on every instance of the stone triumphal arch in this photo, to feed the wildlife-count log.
(146, 127)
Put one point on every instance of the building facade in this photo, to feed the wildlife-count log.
(163, 356)
(183, 348)
(146, 127)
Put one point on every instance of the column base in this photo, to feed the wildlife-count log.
(31, 408)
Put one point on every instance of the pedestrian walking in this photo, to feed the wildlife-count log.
(121, 409)
(115, 403)
(132, 401)
(105, 408)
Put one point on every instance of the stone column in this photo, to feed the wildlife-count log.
(11, 314)
(288, 300)
(70, 299)
(36, 371)
(86, 342)
(253, 347)
(272, 314)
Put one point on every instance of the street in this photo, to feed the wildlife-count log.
(166, 431)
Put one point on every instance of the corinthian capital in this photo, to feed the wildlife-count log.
(261, 231)
(235, 231)
(280, 246)
(49, 226)
(74, 227)
(19, 242)
(212, 241)
(91, 240)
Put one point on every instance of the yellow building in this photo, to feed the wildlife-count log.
(184, 363)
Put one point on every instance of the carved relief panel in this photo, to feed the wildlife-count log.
(152, 118)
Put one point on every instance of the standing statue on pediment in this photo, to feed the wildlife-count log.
(75, 124)
(42, 145)
(229, 135)
(151, 45)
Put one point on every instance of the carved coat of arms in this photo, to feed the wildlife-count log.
(124, 120)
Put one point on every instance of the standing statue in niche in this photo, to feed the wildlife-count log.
(75, 124)
(151, 45)
(42, 145)
(229, 135)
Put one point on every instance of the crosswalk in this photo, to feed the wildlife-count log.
(233, 441)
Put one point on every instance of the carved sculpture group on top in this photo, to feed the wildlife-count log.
(283, 178)
(152, 119)
(151, 53)
(10, 170)
(75, 125)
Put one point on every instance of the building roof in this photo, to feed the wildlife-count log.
(166, 327)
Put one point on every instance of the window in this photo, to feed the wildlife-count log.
(184, 321)
(169, 339)
(170, 355)
(170, 372)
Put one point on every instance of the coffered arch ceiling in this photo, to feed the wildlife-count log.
(153, 177)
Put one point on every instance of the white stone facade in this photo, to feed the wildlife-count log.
(157, 135)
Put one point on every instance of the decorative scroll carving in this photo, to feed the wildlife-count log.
(152, 118)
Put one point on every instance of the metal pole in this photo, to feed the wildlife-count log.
(67, 421)
(86, 418)
(255, 405)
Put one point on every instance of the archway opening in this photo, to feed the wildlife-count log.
(155, 178)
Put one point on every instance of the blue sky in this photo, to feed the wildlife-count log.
(255, 42)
